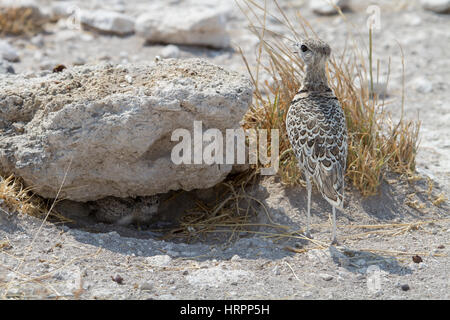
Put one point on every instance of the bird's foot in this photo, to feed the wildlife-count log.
(334, 242)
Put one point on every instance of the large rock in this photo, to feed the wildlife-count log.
(107, 22)
(21, 17)
(109, 127)
(328, 7)
(191, 25)
(438, 6)
(63, 10)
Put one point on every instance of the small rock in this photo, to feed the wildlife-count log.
(326, 8)
(299, 245)
(79, 61)
(8, 52)
(6, 67)
(107, 22)
(118, 279)
(159, 260)
(235, 258)
(129, 79)
(167, 297)
(217, 277)
(423, 85)
(423, 265)
(19, 127)
(325, 277)
(87, 37)
(63, 9)
(405, 287)
(417, 259)
(441, 246)
(361, 276)
(146, 286)
(47, 65)
(38, 40)
(361, 262)
(170, 51)
(414, 20)
(438, 6)
(276, 271)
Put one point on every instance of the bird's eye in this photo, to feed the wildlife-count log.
(304, 48)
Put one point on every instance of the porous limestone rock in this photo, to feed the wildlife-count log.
(94, 132)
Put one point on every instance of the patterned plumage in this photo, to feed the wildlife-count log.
(317, 130)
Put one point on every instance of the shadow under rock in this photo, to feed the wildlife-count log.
(9, 222)
(152, 239)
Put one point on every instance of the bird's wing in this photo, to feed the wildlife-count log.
(318, 135)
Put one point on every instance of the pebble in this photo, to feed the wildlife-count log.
(49, 65)
(276, 271)
(170, 51)
(8, 52)
(423, 85)
(6, 67)
(361, 262)
(129, 79)
(146, 286)
(235, 258)
(405, 287)
(79, 61)
(159, 260)
(325, 277)
(423, 265)
(38, 41)
(108, 22)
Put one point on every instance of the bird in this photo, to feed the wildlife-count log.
(317, 130)
(125, 211)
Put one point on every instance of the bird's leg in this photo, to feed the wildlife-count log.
(333, 236)
(308, 222)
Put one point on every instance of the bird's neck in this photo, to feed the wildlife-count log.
(315, 78)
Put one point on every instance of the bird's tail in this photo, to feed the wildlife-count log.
(330, 182)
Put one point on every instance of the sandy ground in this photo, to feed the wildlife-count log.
(89, 260)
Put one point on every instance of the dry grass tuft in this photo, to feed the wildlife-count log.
(376, 142)
(15, 198)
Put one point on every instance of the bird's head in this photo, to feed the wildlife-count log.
(313, 52)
